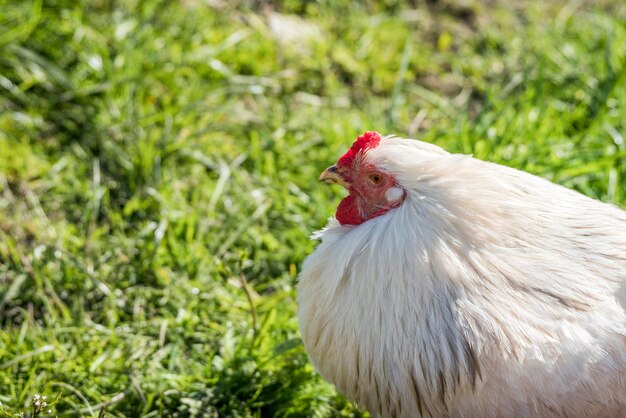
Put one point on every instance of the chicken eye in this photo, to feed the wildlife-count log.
(376, 178)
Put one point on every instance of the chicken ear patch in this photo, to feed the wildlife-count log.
(368, 140)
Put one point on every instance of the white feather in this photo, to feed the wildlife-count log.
(488, 292)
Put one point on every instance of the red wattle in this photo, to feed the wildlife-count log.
(348, 213)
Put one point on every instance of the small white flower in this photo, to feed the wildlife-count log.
(36, 397)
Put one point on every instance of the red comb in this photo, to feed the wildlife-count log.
(369, 139)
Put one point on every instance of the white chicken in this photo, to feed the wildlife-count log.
(450, 286)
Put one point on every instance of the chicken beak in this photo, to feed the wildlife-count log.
(331, 176)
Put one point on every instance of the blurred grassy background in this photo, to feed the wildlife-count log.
(159, 163)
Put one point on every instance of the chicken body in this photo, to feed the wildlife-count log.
(476, 291)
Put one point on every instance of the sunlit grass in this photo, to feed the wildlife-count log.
(159, 164)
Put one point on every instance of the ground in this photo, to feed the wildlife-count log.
(159, 165)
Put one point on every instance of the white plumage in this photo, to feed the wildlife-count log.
(479, 291)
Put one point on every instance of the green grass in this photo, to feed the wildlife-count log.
(159, 163)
